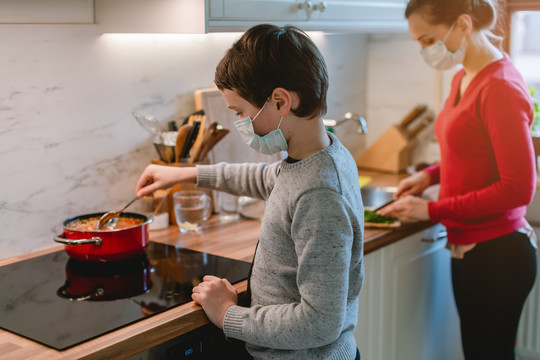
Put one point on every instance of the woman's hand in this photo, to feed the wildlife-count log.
(160, 176)
(413, 185)
(215, 295)
(407, 209)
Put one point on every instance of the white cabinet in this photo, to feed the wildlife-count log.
(528, 337)
(151, 16)
(47, 12)
(324, 15)
(253, 10)
(407, 308)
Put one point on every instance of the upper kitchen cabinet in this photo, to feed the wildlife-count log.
(151, 16)
(47, 12)
(323, 15)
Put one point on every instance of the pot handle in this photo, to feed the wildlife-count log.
(61, 292)
(62, 240)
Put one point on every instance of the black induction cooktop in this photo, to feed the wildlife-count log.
(61, 302)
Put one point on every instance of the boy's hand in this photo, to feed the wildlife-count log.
(215, 295)
(160, 177)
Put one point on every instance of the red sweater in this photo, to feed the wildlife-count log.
(487, 168)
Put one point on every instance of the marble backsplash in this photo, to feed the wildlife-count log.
(68, 142)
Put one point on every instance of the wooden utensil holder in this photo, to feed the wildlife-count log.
(182, 186)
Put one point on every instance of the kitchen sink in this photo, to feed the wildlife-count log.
(373, 197)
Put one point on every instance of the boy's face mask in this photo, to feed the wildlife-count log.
(269, 144)
(439, 57)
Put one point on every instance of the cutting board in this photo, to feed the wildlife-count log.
(232, 148)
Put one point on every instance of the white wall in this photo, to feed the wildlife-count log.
(68, 142)
(397, 81)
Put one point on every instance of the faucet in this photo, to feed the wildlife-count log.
(362, 127)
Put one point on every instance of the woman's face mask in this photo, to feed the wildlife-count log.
(439, 57)
(269, 144)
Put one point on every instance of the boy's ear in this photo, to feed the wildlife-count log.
(283, 100)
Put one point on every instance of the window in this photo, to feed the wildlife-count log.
(524, 46)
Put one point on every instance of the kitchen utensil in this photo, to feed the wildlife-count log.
(413, 114)
(149, 122)
(164, 141)
(191, 139)
(181, 139)
(165, 146)
(105, 245)
(106, 281)
(198, 141)
(420, 126)
(109, 219)
(384, 205)
(215, 137)
(391, 151)
(208, 134)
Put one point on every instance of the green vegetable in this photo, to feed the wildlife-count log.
(373, 217)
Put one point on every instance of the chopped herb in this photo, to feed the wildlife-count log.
(373, 217)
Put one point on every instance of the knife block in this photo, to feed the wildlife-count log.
(390, 153)
(182, 186)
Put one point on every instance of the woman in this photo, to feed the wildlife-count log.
(486, 173)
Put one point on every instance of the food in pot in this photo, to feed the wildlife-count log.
(90, 224)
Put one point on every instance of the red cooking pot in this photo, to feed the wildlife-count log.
(106, 281)
(92, 245)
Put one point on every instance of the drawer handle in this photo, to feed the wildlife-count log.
(442, 235)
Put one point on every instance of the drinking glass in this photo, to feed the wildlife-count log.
(228, 206)
(191, 208)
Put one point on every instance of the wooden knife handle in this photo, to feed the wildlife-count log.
(417, 111)
(423, 124)
(181, 139)
(190, 139)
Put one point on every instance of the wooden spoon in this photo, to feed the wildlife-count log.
(208, 134)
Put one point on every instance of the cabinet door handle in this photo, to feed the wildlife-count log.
(321, 6)
(309, 7)
(306, 5)
(442, 235)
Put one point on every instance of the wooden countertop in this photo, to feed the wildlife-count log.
(235, 240)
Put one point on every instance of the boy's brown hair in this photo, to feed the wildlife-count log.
(267, 57)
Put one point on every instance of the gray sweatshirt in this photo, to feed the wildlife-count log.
(308, 268)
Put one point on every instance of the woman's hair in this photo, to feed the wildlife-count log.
(482, 12)
(267, 57)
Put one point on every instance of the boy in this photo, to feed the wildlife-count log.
(307, 270)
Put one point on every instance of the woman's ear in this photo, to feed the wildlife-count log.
(464, 24)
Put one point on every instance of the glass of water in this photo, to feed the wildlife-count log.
(191, 208)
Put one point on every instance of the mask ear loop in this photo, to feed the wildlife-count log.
(266, 102)
(449, 32)
(280, 120)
